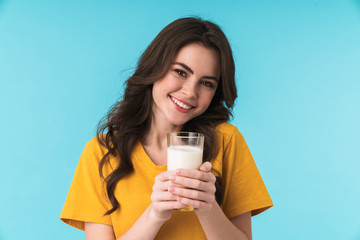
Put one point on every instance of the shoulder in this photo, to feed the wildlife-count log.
(94, 150)
(93, 154)
(229, 134)
(94, 145)
(228, 130)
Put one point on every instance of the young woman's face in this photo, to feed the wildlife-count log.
(188, 87)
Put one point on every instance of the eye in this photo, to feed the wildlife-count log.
(207, 84)
(180, 72)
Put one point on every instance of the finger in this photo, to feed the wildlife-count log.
(164, 176)
(191, 202)
(206, 167)
(161, 186)
(180, 181)
(192, 194)
(167, 205)
(163, 196)
(195, 174)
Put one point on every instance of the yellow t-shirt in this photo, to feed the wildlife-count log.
(87, 200)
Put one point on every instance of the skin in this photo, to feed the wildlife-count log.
(192, 81)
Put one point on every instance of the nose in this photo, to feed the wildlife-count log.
(189, 89)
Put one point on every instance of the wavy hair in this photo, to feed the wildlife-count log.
(128, 121)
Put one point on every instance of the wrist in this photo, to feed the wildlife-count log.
(154, 216)
(204, 214)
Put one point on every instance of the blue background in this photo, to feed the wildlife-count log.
(63, 64)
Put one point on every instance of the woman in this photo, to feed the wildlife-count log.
(184, 81)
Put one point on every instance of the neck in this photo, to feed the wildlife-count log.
(155, 142)
(158, 131)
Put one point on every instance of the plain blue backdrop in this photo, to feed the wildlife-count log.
(63, 64)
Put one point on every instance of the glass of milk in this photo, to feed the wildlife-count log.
(184, 150)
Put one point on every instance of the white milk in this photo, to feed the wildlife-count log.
(187, 157)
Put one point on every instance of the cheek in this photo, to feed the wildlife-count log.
(172, 82)
(168, 83)
(207, 98)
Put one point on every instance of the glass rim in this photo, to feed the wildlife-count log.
(189, 134)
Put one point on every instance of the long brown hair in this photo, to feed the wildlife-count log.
(128, 121)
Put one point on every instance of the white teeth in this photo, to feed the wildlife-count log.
(180, 104)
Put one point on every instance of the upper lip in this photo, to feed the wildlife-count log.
(189, 104)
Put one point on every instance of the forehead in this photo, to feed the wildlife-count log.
(200, 59)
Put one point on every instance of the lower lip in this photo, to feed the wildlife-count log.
(180, 109)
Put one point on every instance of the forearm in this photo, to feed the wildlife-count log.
(146, 227)
(217, 226)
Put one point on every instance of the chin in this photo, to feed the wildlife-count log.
(178, 122)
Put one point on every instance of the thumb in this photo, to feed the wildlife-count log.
(206, 167)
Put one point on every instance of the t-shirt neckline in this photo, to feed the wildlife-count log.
(141, 157)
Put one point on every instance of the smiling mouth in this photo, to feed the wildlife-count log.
(180, 104)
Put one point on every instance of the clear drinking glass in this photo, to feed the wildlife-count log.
(184, 150)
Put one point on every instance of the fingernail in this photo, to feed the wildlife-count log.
(172, 178)
(203, 169)
(178, 171)
(171, 189)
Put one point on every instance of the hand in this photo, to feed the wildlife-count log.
(194, 188)
(163, 201)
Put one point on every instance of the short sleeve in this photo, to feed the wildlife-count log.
(87, 200)
(244, 190)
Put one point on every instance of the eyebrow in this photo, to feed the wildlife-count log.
(192, 72)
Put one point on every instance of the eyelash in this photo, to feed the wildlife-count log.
(207, 84)
(182, 73)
